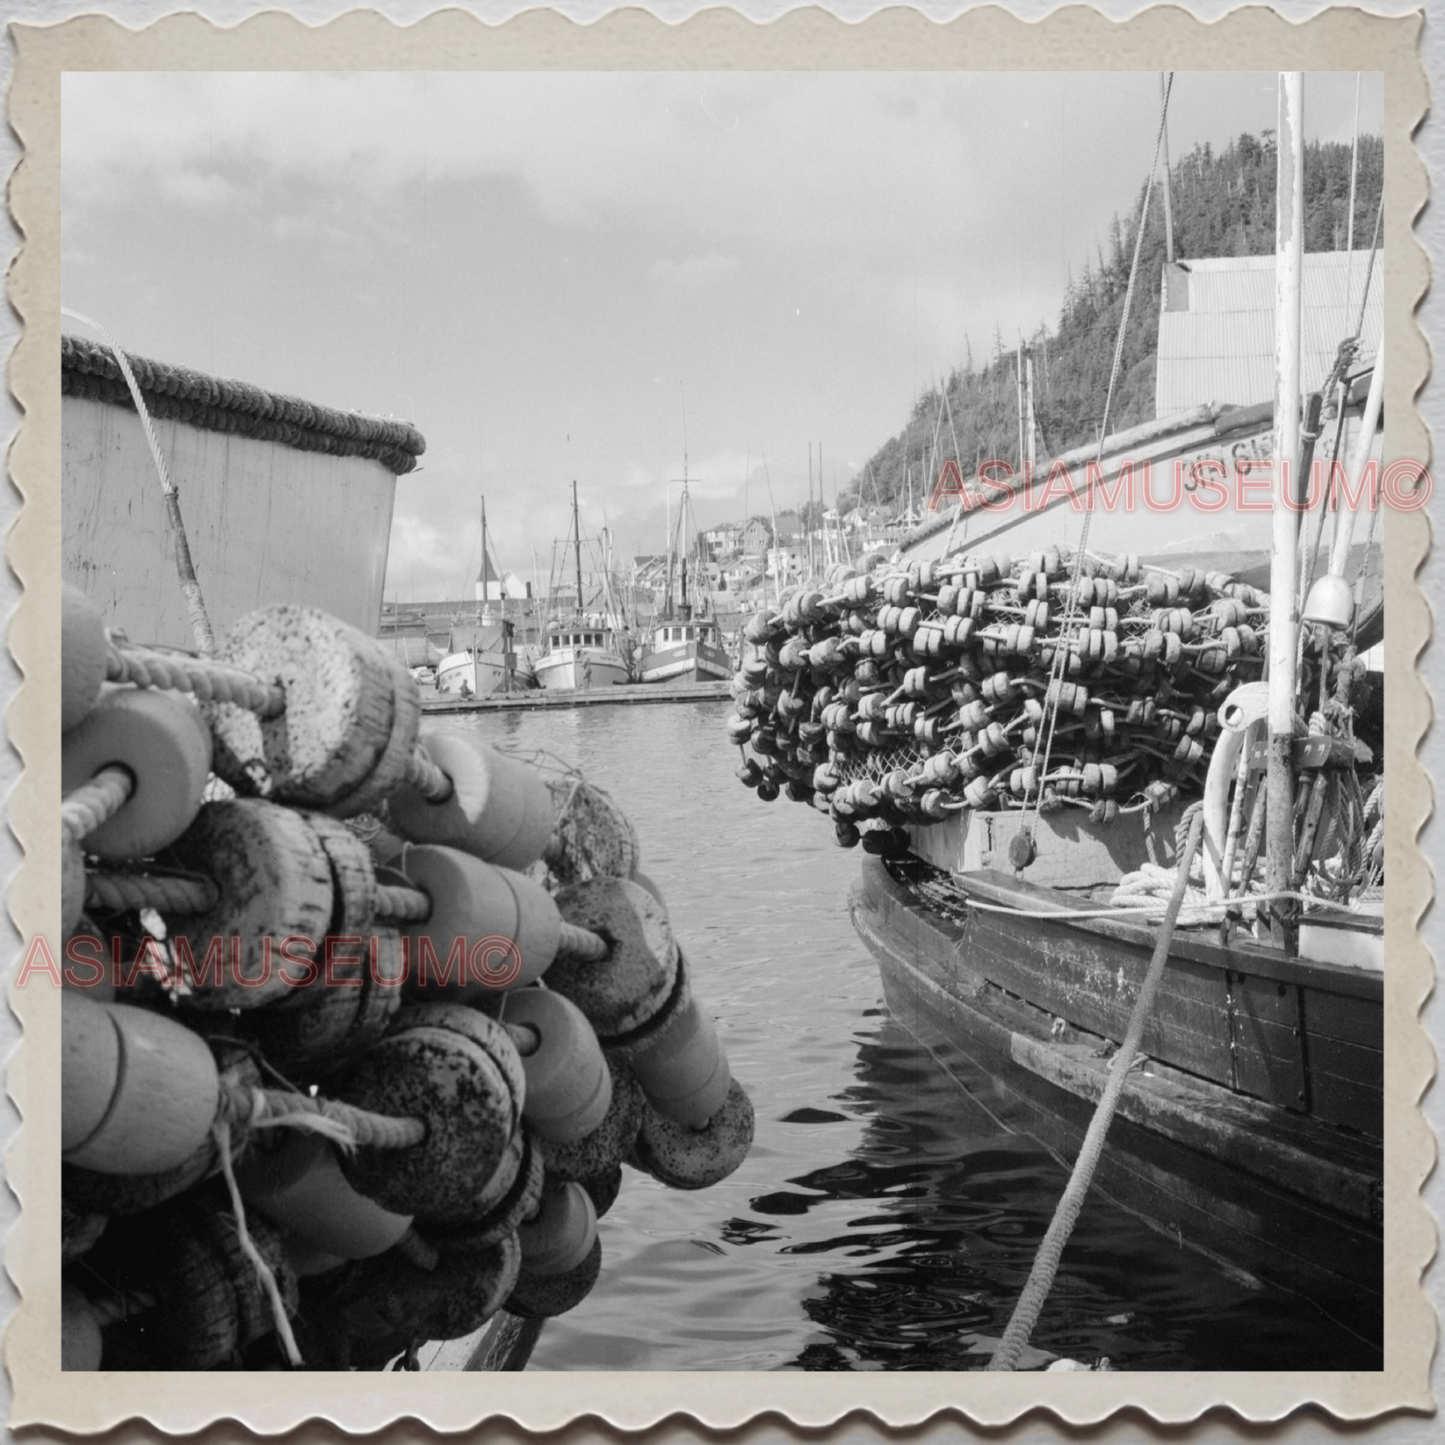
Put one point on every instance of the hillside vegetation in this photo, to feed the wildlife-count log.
(1223, 205)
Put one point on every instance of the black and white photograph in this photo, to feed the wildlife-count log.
(723, 720)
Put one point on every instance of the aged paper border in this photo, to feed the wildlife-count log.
(1075, 38)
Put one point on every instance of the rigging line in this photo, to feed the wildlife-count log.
(1061, 651)
(1370, 269)
(1342, 363)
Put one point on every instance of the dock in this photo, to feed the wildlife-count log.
(437, 703)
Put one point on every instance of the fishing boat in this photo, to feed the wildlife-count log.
(481, 656)
(982, 751)
(685, 644)
(581, 651)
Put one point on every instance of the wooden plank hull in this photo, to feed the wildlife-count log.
(686, 662)
(1292, 1200)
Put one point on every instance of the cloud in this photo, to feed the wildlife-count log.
(694, 274)
(205, 190)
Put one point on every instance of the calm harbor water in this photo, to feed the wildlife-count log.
(883, 1217)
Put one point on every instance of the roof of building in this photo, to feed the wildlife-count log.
(1216, 325)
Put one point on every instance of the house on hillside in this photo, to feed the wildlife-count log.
(754, 537)
(1216, 326)
(743, 575)
(722, 541)
(649, 570)
(869, 519)
(790, 528)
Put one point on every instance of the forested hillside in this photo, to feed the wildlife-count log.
(1223, 205)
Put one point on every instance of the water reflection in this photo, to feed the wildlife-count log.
(884, 1212)
(949, 1215)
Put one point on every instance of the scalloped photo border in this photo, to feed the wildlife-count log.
(1076, 38)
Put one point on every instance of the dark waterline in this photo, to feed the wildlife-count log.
(883, 1216)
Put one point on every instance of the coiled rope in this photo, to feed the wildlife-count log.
(1046, 1261)
(91, 804)
(208, 680)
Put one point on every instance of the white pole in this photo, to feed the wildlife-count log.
(1284, 609)
(1029, 415)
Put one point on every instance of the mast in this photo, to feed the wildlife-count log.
(486, 593)
(1284, 614)
(577, 536)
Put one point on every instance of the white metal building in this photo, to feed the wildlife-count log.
(1216, 325)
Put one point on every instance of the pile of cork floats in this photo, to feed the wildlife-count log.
(905, 694)
(334, 1089)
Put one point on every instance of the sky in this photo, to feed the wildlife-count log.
(561, 276)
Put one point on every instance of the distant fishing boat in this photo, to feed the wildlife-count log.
(684, 644)
(583, 651)
(481, 657)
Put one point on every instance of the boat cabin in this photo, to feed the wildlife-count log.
(563, 638)
(678, 632)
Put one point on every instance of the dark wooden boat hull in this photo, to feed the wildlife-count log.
(1289, 1199)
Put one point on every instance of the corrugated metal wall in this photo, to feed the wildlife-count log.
(1216, 328)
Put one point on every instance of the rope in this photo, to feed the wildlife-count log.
(1044, 743)
(398, 904)
(426, 778)
(165, 892)
(190, 587)
(95, 802)
(347, 1127)
(1046, 1262)
(582, 943)
(209, 680)
(418, 1251)
(1370, 269)
(222, 1132)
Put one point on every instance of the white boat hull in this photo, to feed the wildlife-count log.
(462, 674)
(580, 669)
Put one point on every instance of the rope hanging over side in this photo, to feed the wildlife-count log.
(190, 587)
(1046, 1262)
(282, 1321)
